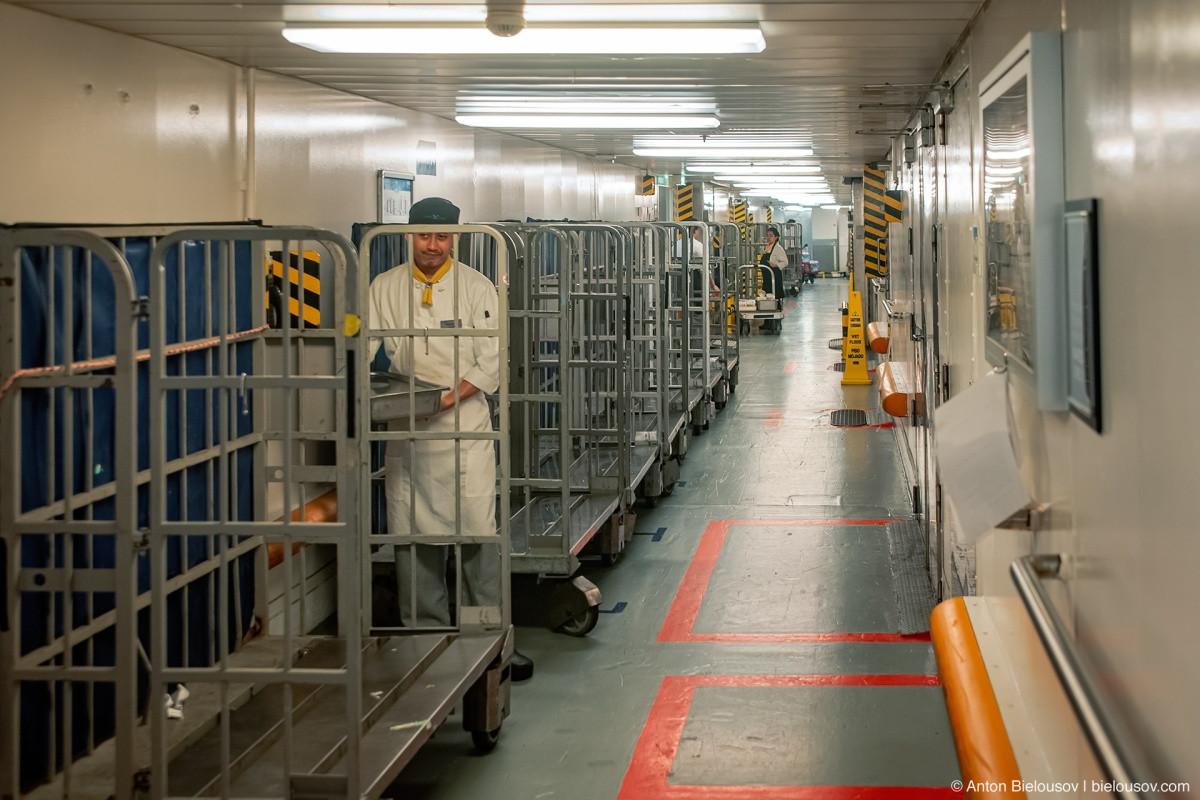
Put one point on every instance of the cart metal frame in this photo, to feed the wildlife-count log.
(655, 419)
(242, 424)
(750, 280)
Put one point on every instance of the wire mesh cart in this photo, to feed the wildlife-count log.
(570, 458)
(791, 235)
(187, 584)
(658, 417)
(724, 331)
(706, 351)
(757, 302)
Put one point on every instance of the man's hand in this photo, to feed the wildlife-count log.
(465, 390)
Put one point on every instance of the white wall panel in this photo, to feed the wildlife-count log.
(121, 130)
(1120, 500)
(150, 136)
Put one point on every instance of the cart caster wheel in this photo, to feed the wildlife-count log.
(610, 559)
(485, 741)
(581, 625)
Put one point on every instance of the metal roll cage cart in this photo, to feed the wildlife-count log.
(753, 306)
(725, 341)
(184, 594)
(686, 389)
(654, 422)
(570, 469)
(790, 236)
(707, 348)
(464, 664)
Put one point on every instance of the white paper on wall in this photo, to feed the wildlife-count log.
(977, 456)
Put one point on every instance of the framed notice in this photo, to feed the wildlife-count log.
(1083, 310)
(395, 196)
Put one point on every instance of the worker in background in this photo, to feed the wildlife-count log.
(774, 257)
(697, 243)
(423, 477)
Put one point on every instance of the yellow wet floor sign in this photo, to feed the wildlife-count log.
(855, 373)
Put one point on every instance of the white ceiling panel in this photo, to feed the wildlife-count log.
(829, 68)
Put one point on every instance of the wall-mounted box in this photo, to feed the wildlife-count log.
(1022, 122)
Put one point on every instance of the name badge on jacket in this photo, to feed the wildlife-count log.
(450, 323)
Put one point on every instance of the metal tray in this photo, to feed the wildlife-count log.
(397, 397)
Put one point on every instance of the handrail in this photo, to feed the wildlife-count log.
(1108, 743)
(888, 307)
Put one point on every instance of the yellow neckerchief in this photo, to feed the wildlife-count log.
(427, 295)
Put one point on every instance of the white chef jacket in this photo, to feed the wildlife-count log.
(422, 474)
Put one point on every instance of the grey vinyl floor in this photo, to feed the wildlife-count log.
(748, 645)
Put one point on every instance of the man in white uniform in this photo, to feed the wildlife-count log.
(430, 292)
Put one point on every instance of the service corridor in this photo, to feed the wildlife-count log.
(749, 643)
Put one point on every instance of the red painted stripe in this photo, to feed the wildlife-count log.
(654, 755)
(681, 616)
(804, 638)
(789, 368)
(774, 419)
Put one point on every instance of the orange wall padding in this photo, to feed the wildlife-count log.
(985, 755)
(877, 336)
(321, 509)
(894, 401)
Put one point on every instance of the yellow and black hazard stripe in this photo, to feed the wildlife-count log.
(646, 189)
(874, 191)
(683, 202)
(739, 211)
(768, 215)
(880, 207)
(299, 283)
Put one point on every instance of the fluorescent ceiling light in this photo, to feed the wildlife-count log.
(833, 206)
(723, 141)
(641, 12)
(554, 40)
(790, 196)
(719, 152)
(554, 121)
(734, 168)
(762, 180)
(784, 187)
(518, 105)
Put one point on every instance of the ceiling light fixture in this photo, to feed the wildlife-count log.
(608, 121)
(724, 151)
(580, 104)
(758, 169)
(640, 12)
(763, 180)
(599, 39)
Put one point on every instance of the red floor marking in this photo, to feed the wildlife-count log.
(655, 752)
(789, 368)
(774, 419)
(681, 616)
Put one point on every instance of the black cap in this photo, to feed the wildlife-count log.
(433, 211)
